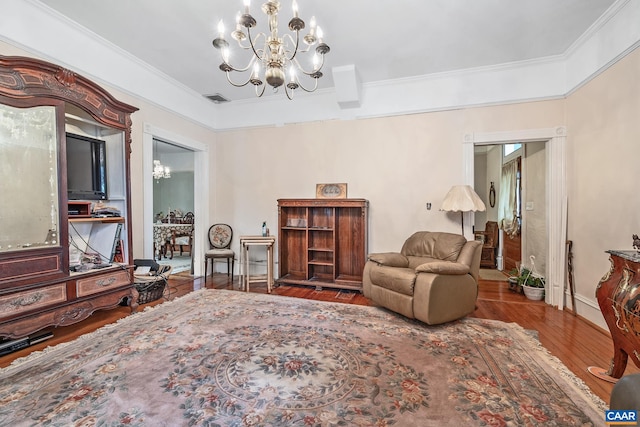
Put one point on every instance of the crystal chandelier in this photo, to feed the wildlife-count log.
(160, 171)
(272, 55)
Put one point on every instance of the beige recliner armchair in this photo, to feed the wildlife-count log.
(434, 278)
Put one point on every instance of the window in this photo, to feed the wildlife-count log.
(510, 148)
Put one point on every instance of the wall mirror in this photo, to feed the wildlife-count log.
(29, 210)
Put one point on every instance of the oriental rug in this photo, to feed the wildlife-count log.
(228, 358)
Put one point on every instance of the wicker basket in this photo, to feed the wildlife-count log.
(151, 288)
(150, 291)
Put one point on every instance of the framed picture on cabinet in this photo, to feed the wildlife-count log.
(331, 191)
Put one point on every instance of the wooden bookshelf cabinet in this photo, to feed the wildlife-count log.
(322, 243)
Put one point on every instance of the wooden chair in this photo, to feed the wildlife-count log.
(489, 237)
(220, 236)
(181, 241)
(188, 218)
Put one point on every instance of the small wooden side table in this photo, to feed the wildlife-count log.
(247, 242)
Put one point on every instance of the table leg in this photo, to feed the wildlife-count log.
(240, 267)
(269, 268)
(247, 277)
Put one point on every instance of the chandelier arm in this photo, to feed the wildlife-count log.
(236, 84)
(241, 70)
(315, 86)
(297, 42)
(286, 91)
(305, 50)
(252, 43)
(259, 95)
(315, 70)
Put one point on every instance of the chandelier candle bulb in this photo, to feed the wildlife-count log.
(294, 6)
(312, 24)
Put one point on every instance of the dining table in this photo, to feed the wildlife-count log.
(162, 233)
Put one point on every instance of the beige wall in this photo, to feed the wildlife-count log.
(397, 163)
(603, 123)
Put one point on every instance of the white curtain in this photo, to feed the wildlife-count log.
(507, 210)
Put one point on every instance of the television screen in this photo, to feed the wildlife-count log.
(86, 168)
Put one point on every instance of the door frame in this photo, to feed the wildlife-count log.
(555, 138)
(200, 190)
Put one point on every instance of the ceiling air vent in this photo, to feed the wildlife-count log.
(216, 98)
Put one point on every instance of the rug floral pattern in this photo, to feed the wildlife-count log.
(225, 358)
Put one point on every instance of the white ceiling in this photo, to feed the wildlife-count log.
(384, 40)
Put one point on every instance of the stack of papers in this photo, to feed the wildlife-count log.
(142, 271)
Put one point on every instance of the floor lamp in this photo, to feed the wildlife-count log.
(462, 198)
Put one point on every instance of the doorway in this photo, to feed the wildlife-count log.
(200, 153)
(522, 166)
(555, 195)
(173, 205)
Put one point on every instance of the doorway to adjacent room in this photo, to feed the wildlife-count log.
(554, 209)
(173, 205)
(188, 164)
(511, 180)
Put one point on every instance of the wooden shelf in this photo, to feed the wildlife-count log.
(113, 219)
(79, 209)
(332, 252)
(318, 262)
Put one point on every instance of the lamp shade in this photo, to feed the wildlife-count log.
(462, 198)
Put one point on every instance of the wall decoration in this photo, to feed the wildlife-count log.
(492, 196)
(331, 191)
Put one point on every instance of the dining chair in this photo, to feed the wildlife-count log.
(181, 241)
(220, 236)
(188, 218)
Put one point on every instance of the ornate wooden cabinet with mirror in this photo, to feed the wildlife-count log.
(39, 103)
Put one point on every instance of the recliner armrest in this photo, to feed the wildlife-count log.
(443, 267)
(390, 259)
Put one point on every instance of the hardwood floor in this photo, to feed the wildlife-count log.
(576, 342)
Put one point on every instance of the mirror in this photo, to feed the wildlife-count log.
(29, 210)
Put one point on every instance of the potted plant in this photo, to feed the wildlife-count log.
(514, 285)
(532, 286)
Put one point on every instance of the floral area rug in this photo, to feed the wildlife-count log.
(228, 358)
